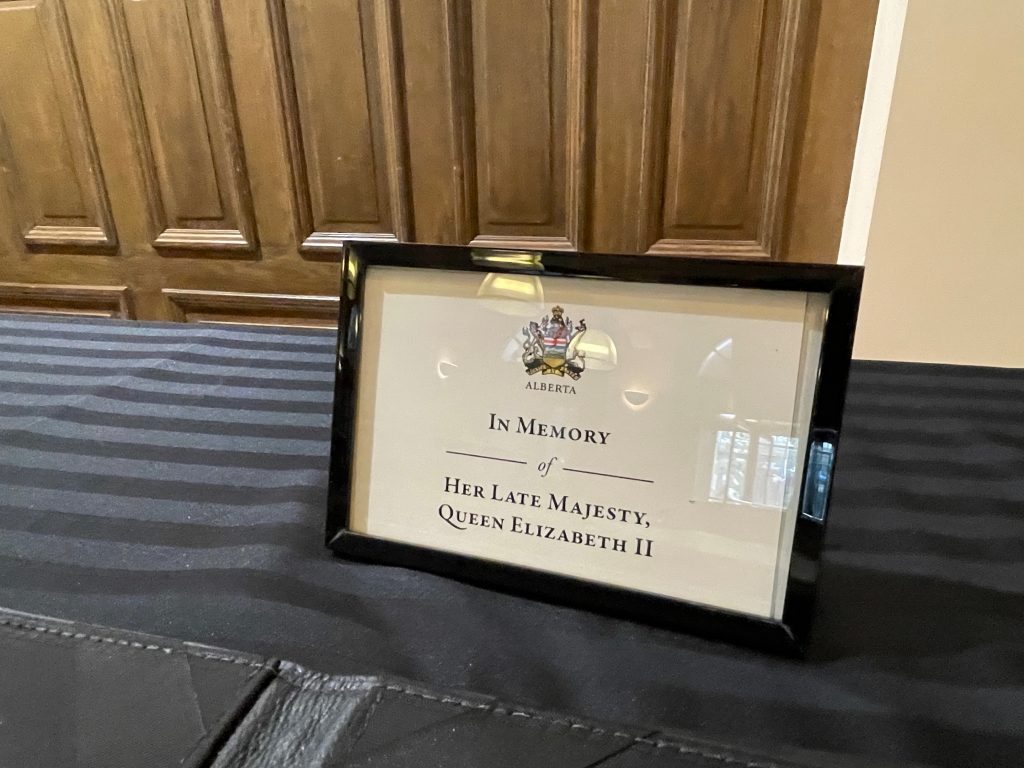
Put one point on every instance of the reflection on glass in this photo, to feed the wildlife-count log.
(819, 478)
(729, 472)
(718, 363)
(355, 319)
(512, 294)
(512, 350)
(598, 349)
(445, 369)
(636, 398)
(776, 465)
(753, 464)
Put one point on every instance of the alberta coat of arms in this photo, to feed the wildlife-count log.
(550, 345)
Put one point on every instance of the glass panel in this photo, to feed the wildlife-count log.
(649, 436)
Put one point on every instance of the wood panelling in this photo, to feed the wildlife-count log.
(731, 93)
(723, 58)
(252, 308)
(524, 106)
(88, 300)
(435, 77)
(703, 140)
(629, 45)
(520, 132)
(174, 63)
(337, 65)
(494, 113)
(54, 183)
(236, 143)
(827, 125)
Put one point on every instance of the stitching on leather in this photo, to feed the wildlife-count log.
(128, 643)
(593, 730)
(321, 677)
(230, 659)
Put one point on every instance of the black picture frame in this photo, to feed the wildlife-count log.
(842, 286)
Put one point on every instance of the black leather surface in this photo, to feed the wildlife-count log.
(172, 479)
(82, 696)
(92, 697)
(318, 721)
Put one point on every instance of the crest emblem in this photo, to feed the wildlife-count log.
(550, 346)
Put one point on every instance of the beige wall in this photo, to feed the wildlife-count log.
(945, 255)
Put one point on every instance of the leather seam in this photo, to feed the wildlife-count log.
(220, 733)
(593, 730)
(134, 644)
(450, 700)
(312, 681)
(361, 720)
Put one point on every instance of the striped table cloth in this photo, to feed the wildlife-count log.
(172, 479)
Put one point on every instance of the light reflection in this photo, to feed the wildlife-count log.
(718, 363)
(500, 259)
(513, 287)
(351, 273)
(819, 479)
(518, 295)
(445, 368)
(513, 350)
(754, 463)
(635, 398)
(598, 349)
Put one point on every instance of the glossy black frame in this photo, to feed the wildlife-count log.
(841, 284)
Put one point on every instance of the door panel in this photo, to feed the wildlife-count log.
(520, 110)
(55, 186)
(203, 161)
(88, 301)
(336, 66)
(174, 70)
(726, 91)
(626, 41)
(702, 140)
(240, 308)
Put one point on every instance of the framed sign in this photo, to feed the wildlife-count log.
(647, 436)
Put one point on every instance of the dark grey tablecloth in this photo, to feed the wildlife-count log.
(172, 479)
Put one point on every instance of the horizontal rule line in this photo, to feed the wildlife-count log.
(481, 456)
(605, 474)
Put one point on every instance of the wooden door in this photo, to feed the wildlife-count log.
(203, 160)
